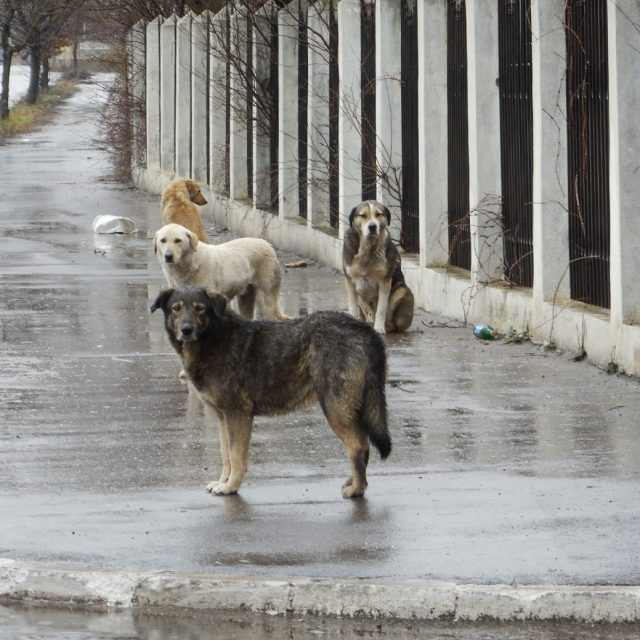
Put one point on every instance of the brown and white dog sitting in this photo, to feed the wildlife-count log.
(179, 205)
(375, 283)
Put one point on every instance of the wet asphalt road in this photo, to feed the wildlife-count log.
(510, 464)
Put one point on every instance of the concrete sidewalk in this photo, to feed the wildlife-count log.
(511, 492)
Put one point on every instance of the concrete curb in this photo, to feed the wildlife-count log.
(58, 585)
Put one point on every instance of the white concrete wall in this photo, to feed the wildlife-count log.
(545, 310)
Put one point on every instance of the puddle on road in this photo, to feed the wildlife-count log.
(53, 624)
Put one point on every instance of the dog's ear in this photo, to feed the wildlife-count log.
(193, 240)
(155, 242)
(161, 300)
(387, 213)
(352, 215)
(218, 301)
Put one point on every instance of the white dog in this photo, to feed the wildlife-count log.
(245, 268)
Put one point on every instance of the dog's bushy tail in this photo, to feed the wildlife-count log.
(372, 416)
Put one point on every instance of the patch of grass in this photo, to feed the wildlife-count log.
(25, 117)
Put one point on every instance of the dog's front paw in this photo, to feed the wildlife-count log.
(224, 489)
(380, 330)
(212, 485)
(183, 376)
(352, 491)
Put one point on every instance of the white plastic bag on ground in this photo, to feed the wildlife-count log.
(113, 224)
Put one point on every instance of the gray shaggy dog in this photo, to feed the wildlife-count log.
(242, 368)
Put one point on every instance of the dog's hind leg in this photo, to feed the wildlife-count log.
(268, 300)
(357, 445)
(238, 430)
(247, 302)
(224, 447)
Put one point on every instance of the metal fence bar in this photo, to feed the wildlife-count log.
(516, 139)
(274, 124)
(588, 150)
(250, 77)
(409, 234)
(458, 136)
(303, 99)
(334, 95)
(227, 143)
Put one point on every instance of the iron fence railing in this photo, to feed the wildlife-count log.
(334, 108)
(303, 98)
(249, 107)
(588, 150)
(458, 136)
(409, 235)
(516, 138)
(274, 124)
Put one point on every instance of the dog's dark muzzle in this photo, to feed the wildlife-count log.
(187, 332)
(373, 229)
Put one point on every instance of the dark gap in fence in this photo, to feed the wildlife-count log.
(274, 133)
(334, 97)
(227, 142)
(207, 89)
(303, 99)
(516, 138)
(409, 232)
(368, 97)
(588, 150)
(458, 136)
(249, 108)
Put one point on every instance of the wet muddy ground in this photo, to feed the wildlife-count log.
(510, 464)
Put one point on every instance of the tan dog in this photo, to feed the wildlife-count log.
(246, 268)
(375, 283)
(179, 204)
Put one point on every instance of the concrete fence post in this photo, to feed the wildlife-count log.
(261, 107)
(389, 110)
(289, 204)
(136, 43)
(218, 86)
(239, 180)
(318, 115)
(349, 118)
(199, 96)
(485, 184)
(624, 141)
(550, 179)
(168, 96)
(183, 96)
(152, 73)
(432, 133)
